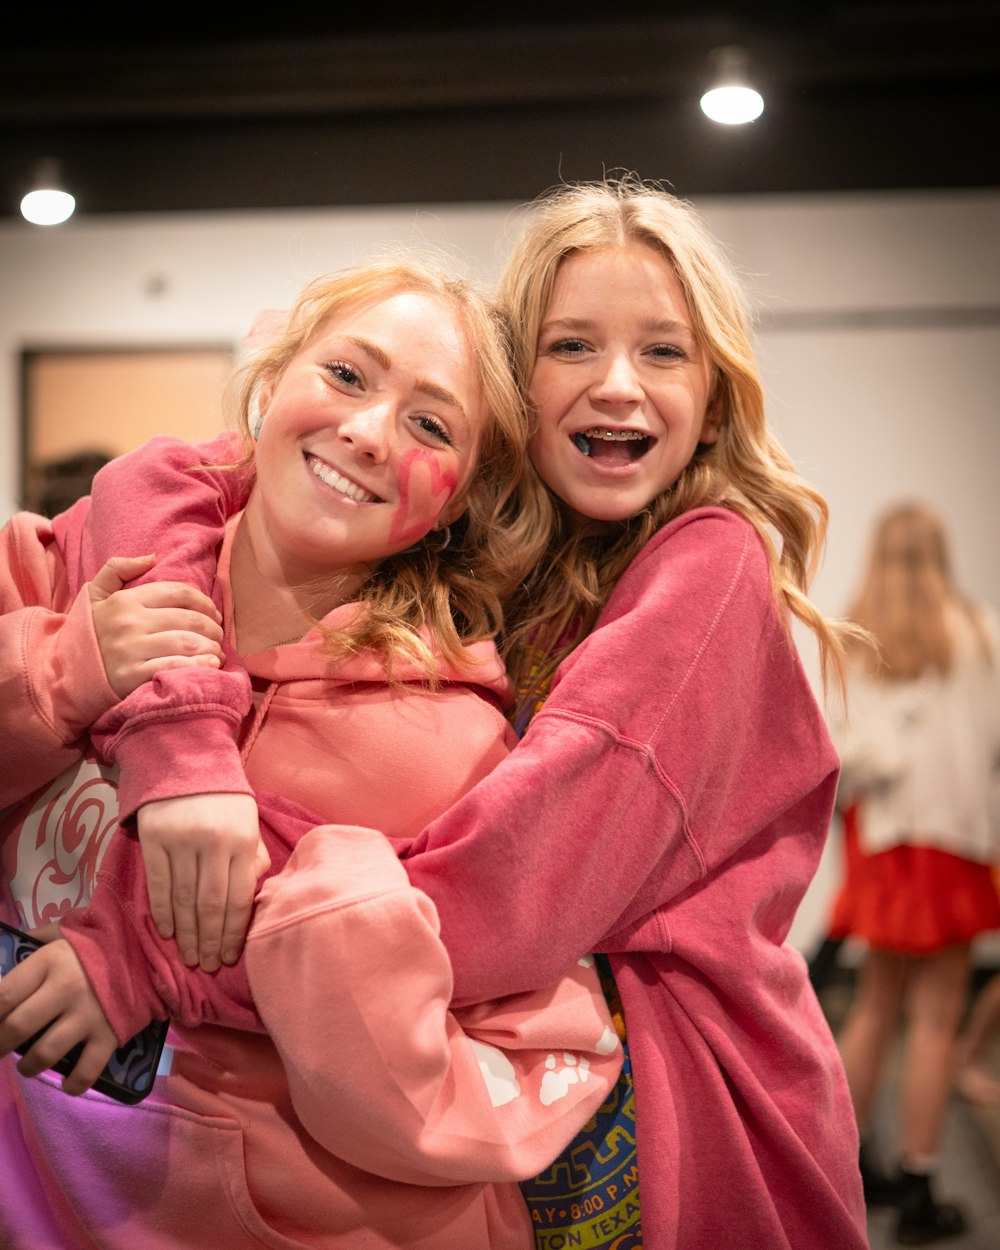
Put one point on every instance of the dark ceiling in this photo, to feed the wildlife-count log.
(205, 110)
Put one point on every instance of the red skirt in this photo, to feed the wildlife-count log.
(912, 900)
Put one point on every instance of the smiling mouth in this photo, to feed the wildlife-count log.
(336, 481)
(612, 447)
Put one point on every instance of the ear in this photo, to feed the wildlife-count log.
(711, 423)
(264, 393)
(451, 514)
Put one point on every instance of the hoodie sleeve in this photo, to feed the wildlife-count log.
(347, 969)
(681, 736)
(52, 679)
(174, 735)
(139, 976)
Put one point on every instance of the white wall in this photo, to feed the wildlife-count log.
(879, 335)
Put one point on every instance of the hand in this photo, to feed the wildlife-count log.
(51, 988)
(145, 629)
(203, 855)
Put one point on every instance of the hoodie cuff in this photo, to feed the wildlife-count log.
(193, 754)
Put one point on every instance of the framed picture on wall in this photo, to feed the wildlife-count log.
(82, 407)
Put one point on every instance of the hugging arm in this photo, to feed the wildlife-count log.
(354, 985)
(346, 969)
(174, 737)
(153, 501)
(52, 678)
(109, 973)
(61, 670)
(638, 780)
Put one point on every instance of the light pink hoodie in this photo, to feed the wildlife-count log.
(370, 1113)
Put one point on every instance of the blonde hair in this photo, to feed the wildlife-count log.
(745, 470)
(455, 594)
(907, 597)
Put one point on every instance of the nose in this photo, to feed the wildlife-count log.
(368, 430)
(617, 381)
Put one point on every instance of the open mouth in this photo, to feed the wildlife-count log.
(336, 481)
(612, 447)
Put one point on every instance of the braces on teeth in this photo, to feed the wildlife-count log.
(614, 435)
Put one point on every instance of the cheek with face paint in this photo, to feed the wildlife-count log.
(424, 491)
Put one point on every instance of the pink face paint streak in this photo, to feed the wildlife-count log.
(442, 482)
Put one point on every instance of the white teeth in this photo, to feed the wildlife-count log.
(614, 436)
(332, 478)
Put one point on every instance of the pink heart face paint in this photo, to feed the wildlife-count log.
(367, 437)
(426, 488)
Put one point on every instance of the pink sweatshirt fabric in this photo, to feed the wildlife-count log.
(669, 806)
(370, 1113)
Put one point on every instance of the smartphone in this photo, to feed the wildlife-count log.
(128, 1074)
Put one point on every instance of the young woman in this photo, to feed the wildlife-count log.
(919, 751)
(670, 799)
(329, 1096)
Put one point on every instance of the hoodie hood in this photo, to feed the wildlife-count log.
(305, 659)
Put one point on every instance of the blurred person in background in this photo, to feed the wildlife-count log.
(920, 743)
(976, 1076)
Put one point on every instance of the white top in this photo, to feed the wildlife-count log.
(924, 755)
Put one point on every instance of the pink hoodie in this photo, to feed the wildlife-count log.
(369, 1113)
(669, 806)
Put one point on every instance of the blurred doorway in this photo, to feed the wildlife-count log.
(80, 408)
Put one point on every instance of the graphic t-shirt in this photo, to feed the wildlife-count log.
(52, 843)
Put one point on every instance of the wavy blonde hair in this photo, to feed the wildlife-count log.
(746, 470)
(907, 597)
(455, 595)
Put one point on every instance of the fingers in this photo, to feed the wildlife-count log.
(175, 643)
(21, 1012)
(116, 573)
(159, 887)
(138, 641)
(214, 902)
(54, 1044)
(91, 1063)
(148, 670)
(184, 900)
(48, 998)
(186, 633)
(57, 1043)
(203, 856)
(262, 860)
(175, 595)
(243, 875)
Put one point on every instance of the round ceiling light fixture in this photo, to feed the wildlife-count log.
(47, 203)
(732, 101)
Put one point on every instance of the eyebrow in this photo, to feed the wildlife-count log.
(440, 393)
(653, 324)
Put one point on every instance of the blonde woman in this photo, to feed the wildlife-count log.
(670, 798)
(323, 1093)
(920, 747)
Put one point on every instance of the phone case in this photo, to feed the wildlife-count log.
(128, 1075)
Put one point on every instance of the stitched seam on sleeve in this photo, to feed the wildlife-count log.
(163, 715)
(642, 749)
(327, 908)
(29, 685)
(709, 634)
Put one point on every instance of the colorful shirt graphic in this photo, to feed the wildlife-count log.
(589, 1197)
